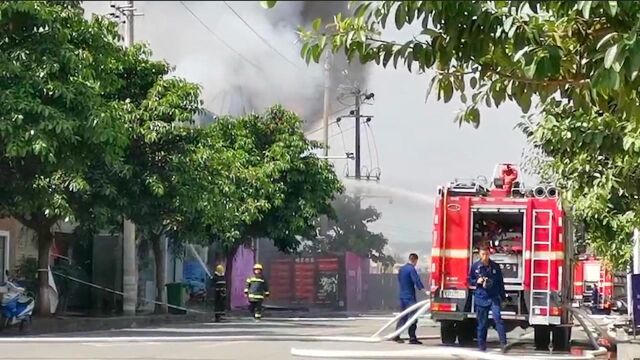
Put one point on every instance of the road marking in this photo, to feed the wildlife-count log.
(223, 344)
(181, 330)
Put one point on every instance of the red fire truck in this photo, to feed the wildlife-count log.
(590, 272)
(531, 239)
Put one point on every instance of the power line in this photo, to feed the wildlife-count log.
(331, 123)
(260, 36)
(341, 133)
(375, 145)
(366, 135)
(213, 33)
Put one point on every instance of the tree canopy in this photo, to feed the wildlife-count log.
(291, 187)
(349, 231)
(59, 74)
(579, 60)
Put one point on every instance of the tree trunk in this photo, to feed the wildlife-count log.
(230, 254)
(45, 239)
(159, 254)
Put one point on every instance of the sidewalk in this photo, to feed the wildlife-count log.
(68, 324)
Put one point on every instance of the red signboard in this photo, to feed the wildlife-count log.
(304, 272)
(280, 279)
(305, 280)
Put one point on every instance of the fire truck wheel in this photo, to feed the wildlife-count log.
(466, 331)
(561, 338)
(448, 332)
(541, 337)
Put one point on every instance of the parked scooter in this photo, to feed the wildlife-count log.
(16, 306)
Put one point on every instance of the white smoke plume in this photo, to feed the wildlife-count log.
(253, 75)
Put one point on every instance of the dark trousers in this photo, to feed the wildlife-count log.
(482, 314)
(404, 305)
(255, 307)
(219, 304)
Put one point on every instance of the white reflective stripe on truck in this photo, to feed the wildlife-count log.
(450, 253)
(560, 277)
(551, 255)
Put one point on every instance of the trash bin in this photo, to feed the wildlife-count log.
(175, 297)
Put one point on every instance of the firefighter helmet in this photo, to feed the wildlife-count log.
(257, 267)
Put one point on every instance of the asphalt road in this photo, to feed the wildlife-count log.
(180, 342)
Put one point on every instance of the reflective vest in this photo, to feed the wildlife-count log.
(219, 283)
(257, 288)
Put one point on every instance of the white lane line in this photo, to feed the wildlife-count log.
(250, 322)
(223, 344)
(165, 339)
(182, 330)
(119, 344)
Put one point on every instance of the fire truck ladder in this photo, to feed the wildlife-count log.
(540, 299)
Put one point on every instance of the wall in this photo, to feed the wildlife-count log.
(357, 271)
(242, 269)
(383, 291)
(21, 241)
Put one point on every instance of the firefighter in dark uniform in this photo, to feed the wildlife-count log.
(487, 277)
(256, 291)
(220, 293)
(595, 300)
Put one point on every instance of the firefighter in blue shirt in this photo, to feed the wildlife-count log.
(409, 281)
(487, 277)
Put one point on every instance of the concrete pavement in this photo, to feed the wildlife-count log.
(155, 346)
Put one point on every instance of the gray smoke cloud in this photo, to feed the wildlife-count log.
(252, 76)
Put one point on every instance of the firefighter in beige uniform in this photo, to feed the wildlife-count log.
(256, 291)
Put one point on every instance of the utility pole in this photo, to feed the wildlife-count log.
(327, 104)
(324, 221)
(360, 97)
(129, 268)
(357, 119)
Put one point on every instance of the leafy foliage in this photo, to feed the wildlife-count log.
(578, 59)
(57, 71)
(289, 186)
(349, 231)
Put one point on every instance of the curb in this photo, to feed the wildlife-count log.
(71, 324)
(57, 325)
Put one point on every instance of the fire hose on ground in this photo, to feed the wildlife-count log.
(442, 352)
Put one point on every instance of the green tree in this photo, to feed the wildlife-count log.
(349, 231)
(293, 186)
(578, 59)
(177, 180)
(55, 122)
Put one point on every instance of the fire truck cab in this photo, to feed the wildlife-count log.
(530, 238)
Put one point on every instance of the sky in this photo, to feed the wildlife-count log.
(418, 145)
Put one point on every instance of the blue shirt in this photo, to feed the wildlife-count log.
(409, 281)
(493, 290)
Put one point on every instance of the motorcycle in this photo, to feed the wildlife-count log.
(16, 306)
(197, 291)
